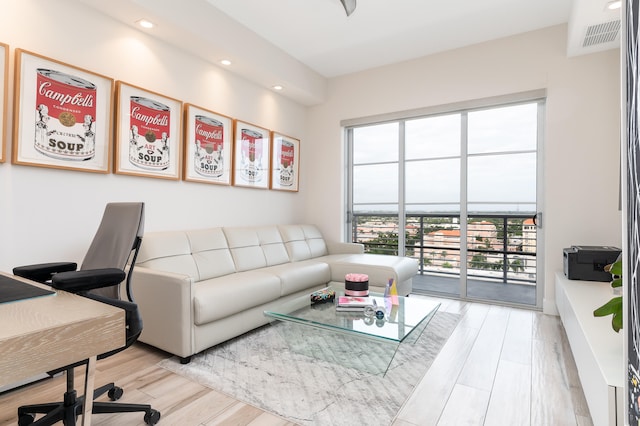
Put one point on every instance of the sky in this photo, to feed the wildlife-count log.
(501, 161)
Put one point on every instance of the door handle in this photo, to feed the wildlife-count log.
(537, 219)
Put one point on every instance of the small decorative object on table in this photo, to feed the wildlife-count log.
(356, 285)
(391, 291)
(374, 310)
(322, 296)
(354, 304)
(391, 301)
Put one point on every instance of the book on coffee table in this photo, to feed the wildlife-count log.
(354, 303)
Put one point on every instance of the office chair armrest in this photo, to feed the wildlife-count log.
(43, 272)
(85, 280)
(132, 313)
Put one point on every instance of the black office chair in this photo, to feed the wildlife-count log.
(103, 269)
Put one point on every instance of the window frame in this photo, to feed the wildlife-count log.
(401, 117)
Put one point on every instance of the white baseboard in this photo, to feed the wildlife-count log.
(549, 307)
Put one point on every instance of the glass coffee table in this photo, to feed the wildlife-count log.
(351, 338)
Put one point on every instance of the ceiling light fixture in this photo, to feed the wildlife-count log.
(225, 62)
(145, 23)
(277, 87)
(616, 4)
(349, 6)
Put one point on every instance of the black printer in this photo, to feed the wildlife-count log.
(587, 262)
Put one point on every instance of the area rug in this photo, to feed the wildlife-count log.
(259, 368)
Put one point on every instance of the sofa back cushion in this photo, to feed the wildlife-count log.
(167, 251)
(303, 241)
(275, 252)
(210, 253)
(213, 252)
(255, 247)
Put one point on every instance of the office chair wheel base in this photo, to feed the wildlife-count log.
(115, 393)
(25, 419)
(152, 417)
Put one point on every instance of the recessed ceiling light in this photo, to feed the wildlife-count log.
(225, 62)
(277, 87)
(145, 23)
(616, 4)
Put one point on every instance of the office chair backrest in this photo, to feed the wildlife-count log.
(120, 230)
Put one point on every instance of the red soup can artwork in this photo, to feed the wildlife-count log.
(209, 161)
(65, 116)
(251, 163)
(287, 153)
(149, 129)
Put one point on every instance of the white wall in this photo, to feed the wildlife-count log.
(48, 214)
(581, 152)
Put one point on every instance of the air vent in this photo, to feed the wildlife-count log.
(601, 33)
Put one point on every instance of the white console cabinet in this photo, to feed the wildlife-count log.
(596, 348)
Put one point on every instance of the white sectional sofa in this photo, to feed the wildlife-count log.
(198, 288)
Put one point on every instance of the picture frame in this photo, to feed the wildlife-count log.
(251, 158)
(62, 115)
(208, 146)
(285, 162)
(4, 87)
(148, 130)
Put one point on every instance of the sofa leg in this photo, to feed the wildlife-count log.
(185, 360)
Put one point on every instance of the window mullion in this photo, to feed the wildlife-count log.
(348, 231)
(464, 153)
(401, 192)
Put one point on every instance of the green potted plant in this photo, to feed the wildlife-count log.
(614, 306)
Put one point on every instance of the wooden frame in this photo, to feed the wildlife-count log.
(62, 115)
(4, 87)
(208, 146)
(147, 133)
(251, 159)
(285, 162)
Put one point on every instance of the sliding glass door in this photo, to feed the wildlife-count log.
(502, 173)
(462, 187)
(433, 158)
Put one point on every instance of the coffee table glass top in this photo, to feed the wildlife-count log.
(399, 322)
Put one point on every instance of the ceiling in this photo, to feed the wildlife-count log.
(299, 44)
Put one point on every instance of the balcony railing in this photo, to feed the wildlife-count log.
(500, 247)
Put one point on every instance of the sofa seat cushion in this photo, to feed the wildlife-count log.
(297, 276)
(223, 296)
(379, 267)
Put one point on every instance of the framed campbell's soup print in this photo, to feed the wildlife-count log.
(147, 133)
(62, 115)
(4, 77)
(251, 160)
(285, 162)
(208, 144)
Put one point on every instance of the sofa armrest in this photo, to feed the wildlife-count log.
(345, 248)
(165, 301)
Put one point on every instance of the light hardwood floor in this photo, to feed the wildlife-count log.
(501, 366)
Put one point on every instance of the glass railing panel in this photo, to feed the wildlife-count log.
(378, 233)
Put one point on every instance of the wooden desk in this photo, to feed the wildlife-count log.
(44, 333)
